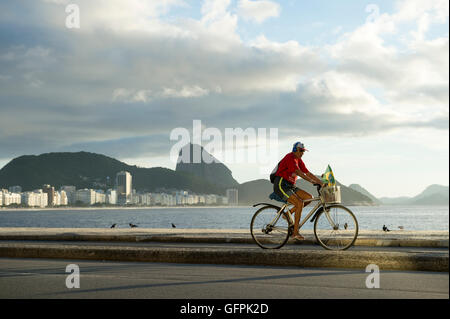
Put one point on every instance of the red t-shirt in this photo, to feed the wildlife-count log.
(288, 165)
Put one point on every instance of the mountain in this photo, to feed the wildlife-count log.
(349, 196)
(195, 160)
(431, 191)
(90, 170)
(395, 200)
(258, 191)
(254, 192)
(432, 195)
(365, 192)
(433, 199)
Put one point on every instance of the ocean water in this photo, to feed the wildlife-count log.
(369, 217)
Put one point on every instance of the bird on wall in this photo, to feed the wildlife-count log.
(385, 228)
(113, 225)
(132, 225)
(173, 226)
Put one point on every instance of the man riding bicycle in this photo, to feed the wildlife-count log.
(289, 169)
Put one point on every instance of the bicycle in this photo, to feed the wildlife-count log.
(335, 226)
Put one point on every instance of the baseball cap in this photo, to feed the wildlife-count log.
(298, 145)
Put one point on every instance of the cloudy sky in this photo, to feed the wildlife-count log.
(364, 84)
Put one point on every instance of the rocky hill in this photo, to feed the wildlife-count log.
(89, 170)
(363, 191)
(432, 195)
(195, 160)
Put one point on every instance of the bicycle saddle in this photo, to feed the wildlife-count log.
(274, 196)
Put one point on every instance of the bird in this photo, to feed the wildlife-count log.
(113, 225)
(132, 225)
(385, 228)
(345, 226)
(173, 226)
(401, 227)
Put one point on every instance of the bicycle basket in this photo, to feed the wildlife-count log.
(331, 194)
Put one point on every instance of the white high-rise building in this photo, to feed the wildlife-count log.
(100, 197)
(10, 198)
(144, 199)
(224, 200)
(70, 193)
(211, 199)
(57, 199)
(124, 187)
(111, 196)
(64, 199)
(60, 198)
(34, 199)
(29, 199)
(168, 200)
(232, 196)
(86, 196)
(39, 198)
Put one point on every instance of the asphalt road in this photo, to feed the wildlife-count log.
(46, 278)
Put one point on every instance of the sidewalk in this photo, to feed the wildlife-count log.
(56, 243)
(365, 237)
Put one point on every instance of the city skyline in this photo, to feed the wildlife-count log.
(203, 156)
(121, 195)
(364, 85)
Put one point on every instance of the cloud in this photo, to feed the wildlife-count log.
(289, 48)
(258, 11)
(138, 146)
(134, 95)
(115, 15)
(124, 77)
(413, 76)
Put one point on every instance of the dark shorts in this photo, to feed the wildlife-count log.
(283, 188)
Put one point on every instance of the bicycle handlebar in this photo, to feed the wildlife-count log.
(319, 187)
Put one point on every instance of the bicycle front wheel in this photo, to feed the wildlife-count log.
(336, 228)
(269, 229)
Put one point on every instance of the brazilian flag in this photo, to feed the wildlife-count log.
(328, 177)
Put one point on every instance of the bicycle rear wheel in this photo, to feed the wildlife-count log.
(336, 228)
(269, 229)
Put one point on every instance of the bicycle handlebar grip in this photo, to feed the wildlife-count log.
(318, 187)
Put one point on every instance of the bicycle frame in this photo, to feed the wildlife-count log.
(305, 219)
